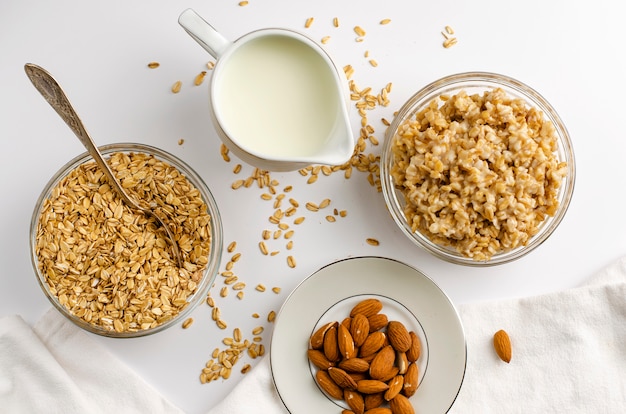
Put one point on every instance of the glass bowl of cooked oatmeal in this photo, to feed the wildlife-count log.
(110, 269)
(478, 169)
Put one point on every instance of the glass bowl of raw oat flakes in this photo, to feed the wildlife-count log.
(478, 169)
(109, 269)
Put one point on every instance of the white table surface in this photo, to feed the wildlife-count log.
(571, 52)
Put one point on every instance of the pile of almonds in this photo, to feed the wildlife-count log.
(367, 361)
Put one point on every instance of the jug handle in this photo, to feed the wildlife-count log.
(203, 33)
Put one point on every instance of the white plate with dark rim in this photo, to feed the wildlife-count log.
(407, 295)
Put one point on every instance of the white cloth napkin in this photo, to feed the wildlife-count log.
(56, 368)
(569, 355)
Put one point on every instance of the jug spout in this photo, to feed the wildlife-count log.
(340, 145)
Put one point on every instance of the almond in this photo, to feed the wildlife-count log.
(382, 363)
(373, 401)
(372, 344)
(354, 401)
(345, 342)
(328, 385)
(413, 353)
(399, 336)
(331, 348)
(342, 378)
(317, 339)
(370, 386)
(401, 405)
(395, 386)
(367, 307)
(379, 410)
(377, 322)
(502, 345)
(410, 380)
(390, 374)
(354, 365)
(368, 358)
(359, 329)
(358, 376)
(402, 362)
(347, 322)
(318, 359)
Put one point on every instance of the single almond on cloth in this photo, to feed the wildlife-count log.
(401, 405)
(328, 385)
(399, 336)
(367, 307)
(369, 386)
(342, 378)
(359, 329)
(502, 345)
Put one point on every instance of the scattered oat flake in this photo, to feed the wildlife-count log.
(449, 30)
(448, 43)
(336, 22)
(199, 78)
(308, 22)
(373, 62)
(181, 141)
(349, 71)
(243, 3)
(154, 65)
(385, 21)
(359, 31)
(187, 323)
(325, 39)
(176, 86)
(373, 242)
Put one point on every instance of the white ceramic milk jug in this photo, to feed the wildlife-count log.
(278, 101)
